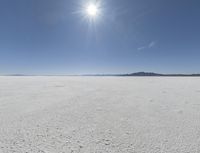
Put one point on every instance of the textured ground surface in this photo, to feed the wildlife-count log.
(99, 115)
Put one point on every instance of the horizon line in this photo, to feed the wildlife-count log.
(111, 74)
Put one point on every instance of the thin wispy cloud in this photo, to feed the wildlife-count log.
(141, 48)
(150, 45)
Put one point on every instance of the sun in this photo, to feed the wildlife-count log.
(92, 10)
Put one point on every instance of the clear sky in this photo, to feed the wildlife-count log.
(57, 37)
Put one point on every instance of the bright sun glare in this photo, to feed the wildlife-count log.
(92, 10)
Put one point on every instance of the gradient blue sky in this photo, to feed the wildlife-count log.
(50, 37)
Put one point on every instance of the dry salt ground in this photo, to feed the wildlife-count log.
(99, 115)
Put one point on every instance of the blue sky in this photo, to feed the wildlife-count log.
(55, 37)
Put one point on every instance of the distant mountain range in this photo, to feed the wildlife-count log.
(142, 74)
(139, 74)
(157, 74)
